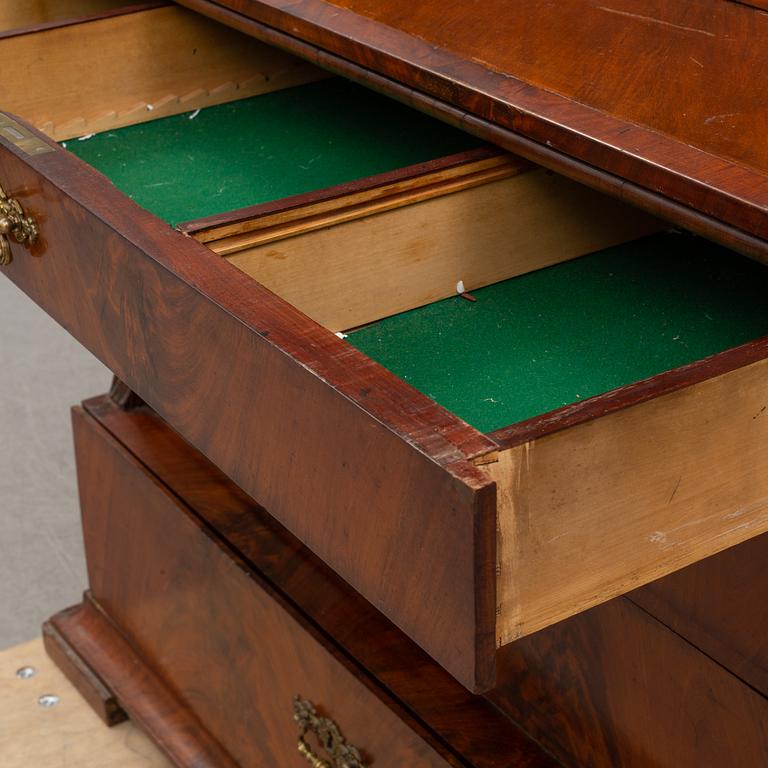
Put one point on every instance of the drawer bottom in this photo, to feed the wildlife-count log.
(214, 629)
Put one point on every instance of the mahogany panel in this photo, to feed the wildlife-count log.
(614, 687)
(660, 94)
(721, 606)
(102, 650)
(195, 590)
(297, 417)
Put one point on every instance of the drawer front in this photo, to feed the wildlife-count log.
(221, 638)
(245, 378)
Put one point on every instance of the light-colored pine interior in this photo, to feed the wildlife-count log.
(19, 14)
(593, 511)
(139, 66)
(350, 262)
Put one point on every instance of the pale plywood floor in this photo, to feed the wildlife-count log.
(68, 735)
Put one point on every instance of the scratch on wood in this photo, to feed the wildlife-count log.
(657, 21)
(719, 118)
(696, 61)
(679, 480)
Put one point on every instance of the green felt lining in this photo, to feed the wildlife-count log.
(265, 148)
(537, 342)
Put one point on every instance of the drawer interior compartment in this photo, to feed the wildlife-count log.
(532, 344)
(272, 146)
(95, 72)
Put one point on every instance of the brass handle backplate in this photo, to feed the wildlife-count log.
(340, 754)
(13, 223)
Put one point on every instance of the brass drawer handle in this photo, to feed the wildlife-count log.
(341, 754)
(13, 223)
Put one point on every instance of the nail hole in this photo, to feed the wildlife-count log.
(48, 700)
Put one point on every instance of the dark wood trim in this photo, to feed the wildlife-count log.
(88, 684)
(140, 692)
(124, 11)
(197, 226)
(722, 196)
(632, 394)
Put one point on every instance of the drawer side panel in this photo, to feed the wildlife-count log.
(598, 509)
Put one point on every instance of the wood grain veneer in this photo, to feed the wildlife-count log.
(720, 605)
(224, 360)
(221, 580)
(614, 687)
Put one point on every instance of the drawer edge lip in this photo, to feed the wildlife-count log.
(136, 6)
(632, 394)
(195, 227)
(437, 434)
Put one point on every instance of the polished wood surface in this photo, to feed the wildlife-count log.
(614, 687)
(556, 74)
(209, 589)
(721, 606)
(150, 703)
(89, 685)
(154, 306)
(412, 530)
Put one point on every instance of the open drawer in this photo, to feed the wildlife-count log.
(603, 412)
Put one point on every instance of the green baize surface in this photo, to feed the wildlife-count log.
(265, 148)
(534, 343)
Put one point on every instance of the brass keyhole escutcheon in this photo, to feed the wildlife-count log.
(339, 754)
(14, 224)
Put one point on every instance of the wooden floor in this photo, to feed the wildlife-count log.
(67, 735)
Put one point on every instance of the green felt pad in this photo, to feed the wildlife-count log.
(265, 148)
(559, 335)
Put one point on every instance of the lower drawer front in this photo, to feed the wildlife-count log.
(230, 649)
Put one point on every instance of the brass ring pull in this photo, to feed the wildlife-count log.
(341, 754)
(13, 223)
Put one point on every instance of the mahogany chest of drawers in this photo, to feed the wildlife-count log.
(458, 448)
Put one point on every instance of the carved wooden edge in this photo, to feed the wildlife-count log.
(134, 7)
(197, 226)
(727, 218)
(123, 396)
(88, 684)
(100, 662)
